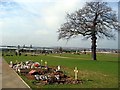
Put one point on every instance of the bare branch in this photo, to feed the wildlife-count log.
(94, 17)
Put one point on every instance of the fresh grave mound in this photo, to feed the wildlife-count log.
(43, 75)
(55, 77)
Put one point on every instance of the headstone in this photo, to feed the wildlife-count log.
(21, 63)
(11, 64)
(37, 77)
(27, 62)
(22, 67)
(58, 69)
(19, 70)
(32, 66)
(57, 77)
(43, 77)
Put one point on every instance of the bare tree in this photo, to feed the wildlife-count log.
(94, 20)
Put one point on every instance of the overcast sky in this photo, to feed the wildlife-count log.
(36, 22)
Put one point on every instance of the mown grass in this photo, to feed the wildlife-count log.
(102, 73)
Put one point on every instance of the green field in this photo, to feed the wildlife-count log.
(102, 73)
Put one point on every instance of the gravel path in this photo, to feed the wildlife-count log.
(0, 73)
(10, 79)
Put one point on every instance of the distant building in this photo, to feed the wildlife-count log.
(54, 49)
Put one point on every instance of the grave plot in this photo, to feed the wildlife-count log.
(44, 75)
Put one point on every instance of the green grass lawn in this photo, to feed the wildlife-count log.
(102, 73)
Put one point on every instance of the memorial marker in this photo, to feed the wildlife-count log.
(41, 62)
(45, 63)
(76, 72)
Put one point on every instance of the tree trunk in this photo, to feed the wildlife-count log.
(93, 47)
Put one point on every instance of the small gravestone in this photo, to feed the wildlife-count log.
(32, 66)
(11, 64)
(58, 68)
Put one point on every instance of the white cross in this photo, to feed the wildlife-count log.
(76, 72)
